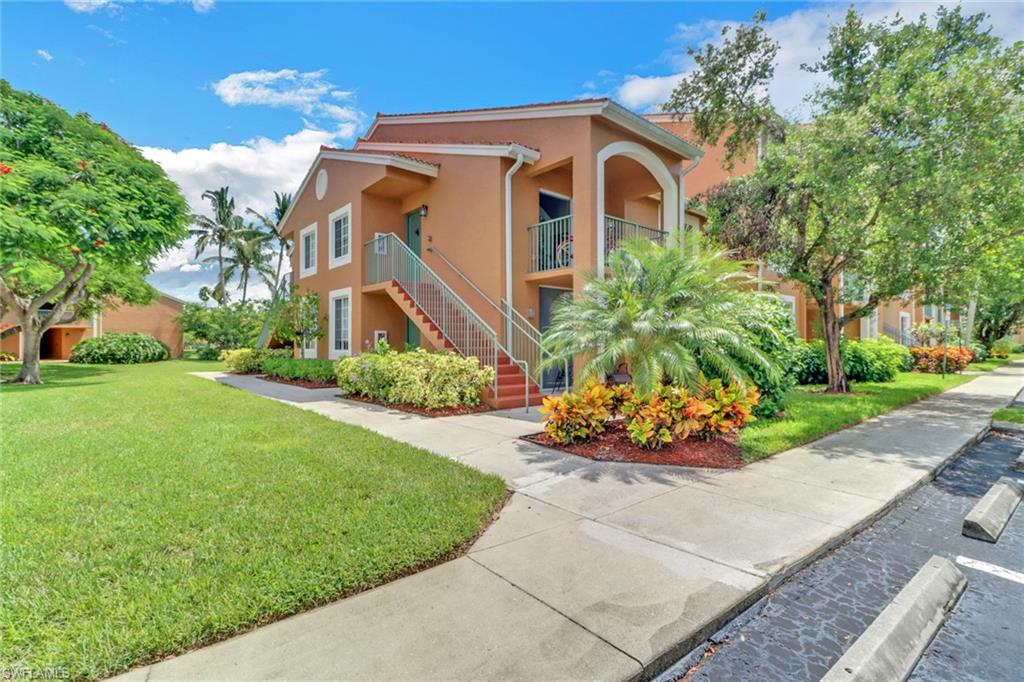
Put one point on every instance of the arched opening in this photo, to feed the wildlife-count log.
(634, 190)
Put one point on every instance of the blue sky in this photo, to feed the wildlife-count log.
(242, 93)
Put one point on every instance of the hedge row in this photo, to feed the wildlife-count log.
(119, 349)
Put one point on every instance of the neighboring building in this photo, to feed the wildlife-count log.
(422, 232)
(158, 319)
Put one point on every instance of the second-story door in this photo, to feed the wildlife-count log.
(414, 240)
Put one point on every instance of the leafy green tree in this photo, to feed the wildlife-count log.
(224, 326)
(669, 311)
(82, 217)
(221, 231)
(298, 318)
(910, 141)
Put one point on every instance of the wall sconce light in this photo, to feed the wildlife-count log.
(423, 210)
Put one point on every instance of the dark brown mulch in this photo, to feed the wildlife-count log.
(614, 446)
(304, 383)
(423, 411)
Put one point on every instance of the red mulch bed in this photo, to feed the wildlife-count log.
(304, 383)
(614, 446)
(423, 411)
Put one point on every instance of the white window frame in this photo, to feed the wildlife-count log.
(869, 325)
(910, 328)
(303, 270)
(308, 349)
(791, 301)
(380, 244)
(333, 352)
(379, 335)
(346, 258)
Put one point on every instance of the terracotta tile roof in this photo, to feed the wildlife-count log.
(592, 100)
(409, 157)
(499, 143)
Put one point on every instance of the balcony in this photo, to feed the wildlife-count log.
(551, 241)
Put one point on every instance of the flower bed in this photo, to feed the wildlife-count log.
(668, 425)
(614, 445)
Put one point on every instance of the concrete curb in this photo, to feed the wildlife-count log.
(993, 511)
(891, 646)
(1008, 427)
(1019, 464)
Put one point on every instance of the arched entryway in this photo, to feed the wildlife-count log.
(669, 199)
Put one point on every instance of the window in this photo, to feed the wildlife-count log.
(307, 251)
(791, 302)
(340, 322)
(380, 244)
(379, 336)
(341, 236)
(869, 325)
(929, 311)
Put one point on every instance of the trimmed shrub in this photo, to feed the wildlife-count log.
(250, 360)
(431, 380)
(578, 415)
(1001, 349)
(980, 351)
(7, 357)
(119, 349)
(876, 360)
(808, 365)
(929, 359)
(242, 360)
(767, 322)
(204, 352)
(298, 368)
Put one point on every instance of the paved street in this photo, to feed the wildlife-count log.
(801, 629)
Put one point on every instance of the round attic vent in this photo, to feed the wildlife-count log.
(321, 184)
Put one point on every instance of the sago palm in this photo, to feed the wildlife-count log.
(669, 311)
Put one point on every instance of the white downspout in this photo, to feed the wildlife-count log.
(508, 238)
(682, 192)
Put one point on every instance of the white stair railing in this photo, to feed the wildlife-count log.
(387, 258)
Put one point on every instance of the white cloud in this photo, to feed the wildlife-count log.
(254, 170)
(802, 36)
(303, 91)
(44, 55)
(90, 6)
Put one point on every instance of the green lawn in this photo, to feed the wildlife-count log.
(811, 414)
(1010, 414)
(146, 512)
(994, 363)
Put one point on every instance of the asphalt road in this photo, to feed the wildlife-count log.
(801, 629)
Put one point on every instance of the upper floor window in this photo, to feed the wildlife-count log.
(341, 236)
(307, 251)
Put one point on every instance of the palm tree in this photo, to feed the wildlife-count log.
(249, 256)
(669, 311)
(272, 230)
(220, 230)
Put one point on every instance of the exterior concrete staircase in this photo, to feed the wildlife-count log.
(446, 319)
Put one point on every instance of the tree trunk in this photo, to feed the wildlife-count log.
(972, 309)
(245, 285)
(220, 271)
(832, 328)
(31, 339)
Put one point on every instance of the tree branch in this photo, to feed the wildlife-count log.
(62, 285)
(73, 292)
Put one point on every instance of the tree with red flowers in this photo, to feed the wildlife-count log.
(82, 217)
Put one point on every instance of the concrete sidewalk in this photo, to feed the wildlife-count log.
(597, 570)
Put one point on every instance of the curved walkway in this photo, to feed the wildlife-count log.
(597, 570)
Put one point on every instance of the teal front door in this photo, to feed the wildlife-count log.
(415, 242)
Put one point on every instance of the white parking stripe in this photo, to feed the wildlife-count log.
(991, 568)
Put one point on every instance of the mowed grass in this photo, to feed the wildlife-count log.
(1009, 414)
(811, 414)
(146, 512)
(994, 363)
